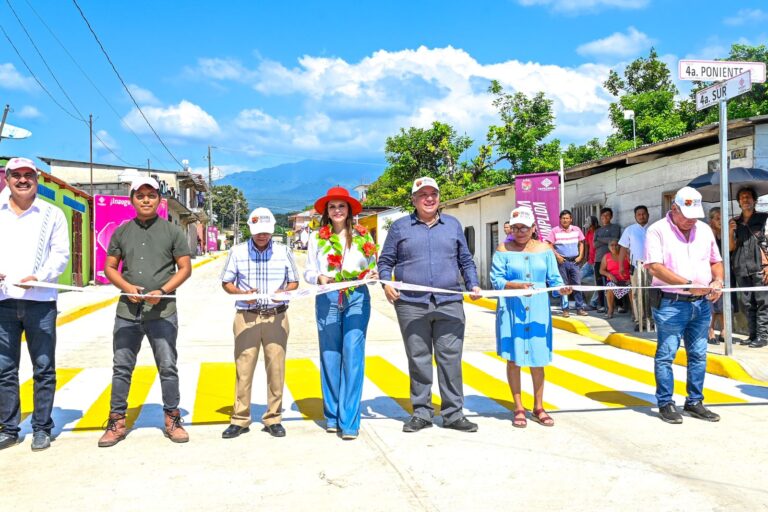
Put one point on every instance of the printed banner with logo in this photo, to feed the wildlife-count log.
(109, 213)
(540, 193)
(213, 238)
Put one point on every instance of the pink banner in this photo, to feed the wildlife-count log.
(540, 193)
(213, 238)
(109, 213)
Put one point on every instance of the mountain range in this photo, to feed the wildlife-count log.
(294, 186)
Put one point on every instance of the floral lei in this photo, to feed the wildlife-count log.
(329, 244)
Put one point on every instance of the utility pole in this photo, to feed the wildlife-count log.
(2, 122)
(90, 129)
(236, 226)
(149, 170)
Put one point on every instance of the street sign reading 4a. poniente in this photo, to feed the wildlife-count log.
(719, 70)
(723, 91)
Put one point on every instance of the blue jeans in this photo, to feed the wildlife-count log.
(689, 321)
(571, 274)
(38, 321)
(126, 342)
(341, 331)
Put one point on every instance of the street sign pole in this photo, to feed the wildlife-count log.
(725, 204)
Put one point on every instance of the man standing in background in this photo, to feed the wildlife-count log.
(632, 243)
(603, 236)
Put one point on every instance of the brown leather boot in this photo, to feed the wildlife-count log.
(173, 429)
(115, 430)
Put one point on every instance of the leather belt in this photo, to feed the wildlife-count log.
(572, 259)
(269, 311)
(681, 297)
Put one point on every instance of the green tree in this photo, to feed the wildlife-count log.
(518, 141)
(225, 197)
(647, 89)
(415, 152)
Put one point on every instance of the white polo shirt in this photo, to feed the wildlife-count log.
(33, 243)
(633, 238)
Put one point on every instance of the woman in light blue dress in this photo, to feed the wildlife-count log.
(524, 324)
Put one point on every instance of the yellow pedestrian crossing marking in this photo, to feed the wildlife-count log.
(215, 393)
(496, 389)
(63, 375)
(580, 374)
(643, 376)
(304, 385)
(395, 383)
(588, 388)
(141, 382)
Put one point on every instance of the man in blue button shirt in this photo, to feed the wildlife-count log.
(429, 249)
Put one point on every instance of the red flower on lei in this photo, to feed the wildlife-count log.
(361, 229)
(325, 232)
(369, 249)
(334, 261)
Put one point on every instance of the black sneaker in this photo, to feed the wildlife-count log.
(669, 414)
(697, 410)
(41, 440)
(8, 440)
(415, 424)
(758, 344)
(462, 425)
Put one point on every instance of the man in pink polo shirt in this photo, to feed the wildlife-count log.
(567, 242)
(680, 250)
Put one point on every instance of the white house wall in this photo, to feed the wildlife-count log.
(480, 214)
(645, 183)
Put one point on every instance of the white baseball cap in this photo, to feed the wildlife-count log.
(689, 201)
(522, 215)
(19, 163)
(144, 180)
(422, 182)
(260, 221)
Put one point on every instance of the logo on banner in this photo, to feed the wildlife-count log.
(526, 185)
(102, 201)
(546, 182)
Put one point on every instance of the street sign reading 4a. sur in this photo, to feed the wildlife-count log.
(723, 91)
(719, 70)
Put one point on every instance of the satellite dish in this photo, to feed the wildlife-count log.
(14, 132)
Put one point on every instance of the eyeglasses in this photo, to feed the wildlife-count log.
(521, 229)
(27, 175)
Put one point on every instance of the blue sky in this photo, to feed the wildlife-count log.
(274, 82)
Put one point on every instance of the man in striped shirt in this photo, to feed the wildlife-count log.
(567, 242)
(266, 267)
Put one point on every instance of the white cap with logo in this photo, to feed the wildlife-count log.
(422, 182)
(522, 215)
(689, 201)
(144, 180)
(260, 221)
(19, 163)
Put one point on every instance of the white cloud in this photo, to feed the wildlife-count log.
(143, 96)
(573, 6)
(747, 16)
(185, 120)
(351, 107)
(10, 78)
(617, 44)
(28, 112)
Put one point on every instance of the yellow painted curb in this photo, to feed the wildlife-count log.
(716, 364)
(79, 312)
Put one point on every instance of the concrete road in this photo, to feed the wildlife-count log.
(608, 450)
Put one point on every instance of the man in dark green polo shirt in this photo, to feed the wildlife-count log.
(156, 260)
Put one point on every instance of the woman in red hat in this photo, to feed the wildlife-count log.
(341, 251)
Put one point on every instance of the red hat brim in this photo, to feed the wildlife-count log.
(336, 195)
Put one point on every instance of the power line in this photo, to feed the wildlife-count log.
(104, 51)
(74, 61)
(58, 83)
(73, 116)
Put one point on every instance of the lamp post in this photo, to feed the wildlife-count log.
(630, 114)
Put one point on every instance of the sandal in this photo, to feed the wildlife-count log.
(541, 417)
(518, 420)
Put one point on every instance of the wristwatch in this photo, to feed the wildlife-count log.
(163, 291)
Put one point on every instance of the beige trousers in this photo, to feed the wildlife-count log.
(253, 332)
